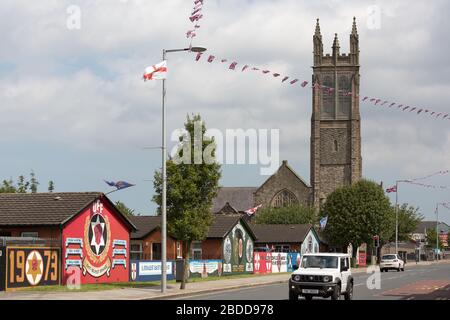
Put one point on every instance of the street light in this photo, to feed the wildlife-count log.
(164, 178)
(396, 212)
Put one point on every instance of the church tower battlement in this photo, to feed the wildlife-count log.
(335, 123)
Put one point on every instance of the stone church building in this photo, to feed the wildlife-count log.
(335, 138)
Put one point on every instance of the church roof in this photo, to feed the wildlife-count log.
(240, 198)
(280, 233)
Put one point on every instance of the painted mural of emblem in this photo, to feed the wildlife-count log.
(249, 250)
(34, 267)
(257, 262)
(97, 241)
(133, 271)
(279, 262)
(227, 250)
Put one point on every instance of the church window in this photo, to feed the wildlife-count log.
(345, 98)
(328, 98)
(284, 198)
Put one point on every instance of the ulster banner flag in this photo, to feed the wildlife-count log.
(156, 72)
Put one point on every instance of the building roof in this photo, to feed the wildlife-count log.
(425, 225)
(280, 233)
(222, 225)
(240, 198)
(144, 225)
(46, 209)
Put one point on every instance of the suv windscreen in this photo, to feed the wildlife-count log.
(389, 257)
(319, 262)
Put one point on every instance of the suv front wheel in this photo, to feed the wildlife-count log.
(349, 294)
(336, 293)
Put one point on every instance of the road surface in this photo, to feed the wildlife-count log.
(416, 283)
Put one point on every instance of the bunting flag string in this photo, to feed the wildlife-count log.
(429, 186)
(194, 18)
(330, 90)
(440, 173)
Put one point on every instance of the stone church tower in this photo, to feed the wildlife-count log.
(335, 123)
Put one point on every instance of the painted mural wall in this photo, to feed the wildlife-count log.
(96, 246)
(238, 251)
(311, 244)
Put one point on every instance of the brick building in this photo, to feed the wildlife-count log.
(146, 240)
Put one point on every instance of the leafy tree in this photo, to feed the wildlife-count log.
(286, 215)
(22, 185)
(431, 239)
(192, 184)
(356, 213)
(51, 186)
(408, 220)
(124, 209)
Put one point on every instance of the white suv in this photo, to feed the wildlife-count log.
(391, 261)
(323, 275)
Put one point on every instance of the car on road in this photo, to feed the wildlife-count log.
(322, 275)
(391, 262)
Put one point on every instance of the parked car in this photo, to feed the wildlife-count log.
(391, 261)
(322, 275)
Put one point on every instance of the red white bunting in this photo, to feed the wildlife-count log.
(329, 90)
(195, 17)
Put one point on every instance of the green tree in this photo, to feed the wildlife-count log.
(124, 209)
(286, 215)
(408, 220)
(192, 184)
(431, 239)
(51, 186)
(22, 185)
(356, 213)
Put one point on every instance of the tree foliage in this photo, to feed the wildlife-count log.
(124, 209)
(286, 215)
(356, 213)
(408, 220)
(191, 187)
(431, 239)
(23, 185)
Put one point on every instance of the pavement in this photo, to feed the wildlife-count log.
(173, 291)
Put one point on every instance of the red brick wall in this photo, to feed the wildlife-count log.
(155, 237)
(43, 232)
(212, 249)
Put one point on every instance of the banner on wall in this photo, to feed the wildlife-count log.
(31, 267)
(262, 262)
(293, 260)
(238, 251)
(205, 268)
(362, 259)
(142, 271)
(279, 262)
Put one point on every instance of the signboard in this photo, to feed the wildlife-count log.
(96, 242)
(143, 271)
(362, 259)
(29, 267)
(205, 268)
(262, 262)
(279, 262)
(2, 268)
(238, 251)
(443, 237)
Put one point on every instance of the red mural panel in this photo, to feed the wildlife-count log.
(262, 262)
(97, 242)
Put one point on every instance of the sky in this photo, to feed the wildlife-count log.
(74, 108)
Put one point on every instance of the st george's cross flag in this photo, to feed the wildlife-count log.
(156, 71)
(252, 211)
(392, 189)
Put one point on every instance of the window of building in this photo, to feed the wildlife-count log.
(328, 110)
(335, 146)
(196, 250)
(136, 251)
(284, 198)
(29, 234)
(156, 251)
(345, 99)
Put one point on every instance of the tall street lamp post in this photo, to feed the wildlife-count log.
(164, 177)
(396, 212)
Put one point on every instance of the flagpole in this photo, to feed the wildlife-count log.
(164, 189)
